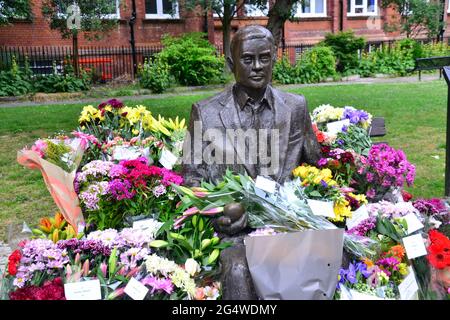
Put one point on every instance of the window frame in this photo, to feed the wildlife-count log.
(159, 11)
(365, 13)
(300, 14)
(258, 13)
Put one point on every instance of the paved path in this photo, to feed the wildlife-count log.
(199, 91)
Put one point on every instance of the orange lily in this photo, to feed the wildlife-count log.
(59, 220)
(45, 225)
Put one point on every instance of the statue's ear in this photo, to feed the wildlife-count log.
(230, 63)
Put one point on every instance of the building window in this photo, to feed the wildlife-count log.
(112, 11)
(252, 10)
(312, 8)
(161, 9)
(362, 8)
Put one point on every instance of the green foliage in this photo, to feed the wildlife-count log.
(15, 82)
(416, 17)
(192, 59)
(314, 65)
(66, 82)
(345, 46)
(355, 138)
(435, 50)
(154, 75)
(54, 11)
(14, 9)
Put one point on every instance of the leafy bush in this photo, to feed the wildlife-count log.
(154, 75)
(15, 82)
(398, 60)
(345, 46)
(435, 50)
(62, 83)
(315, 65)
(192, 59)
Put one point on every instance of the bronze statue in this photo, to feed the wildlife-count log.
(250, 128)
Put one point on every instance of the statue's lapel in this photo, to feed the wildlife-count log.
(283, 124)
(230, 120)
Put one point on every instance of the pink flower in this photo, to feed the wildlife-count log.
(40, 146)
(163, 284)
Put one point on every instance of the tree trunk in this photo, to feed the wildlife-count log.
(76, 64)
(278, 14)
(226, 29)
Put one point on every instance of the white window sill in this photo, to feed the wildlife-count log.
(311, 15)
(368, 14)
(162, 16)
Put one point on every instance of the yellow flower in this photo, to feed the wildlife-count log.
(360, 197)
(342, 210)
(301, 171)
(89, 113)
(325, 175)
(403, 269)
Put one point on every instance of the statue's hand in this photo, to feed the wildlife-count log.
(234, 219)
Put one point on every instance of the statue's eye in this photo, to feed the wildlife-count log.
(247, 60)
(265, 59)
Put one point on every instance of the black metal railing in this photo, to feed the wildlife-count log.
(117, 62)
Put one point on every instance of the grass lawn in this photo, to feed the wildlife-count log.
(415, 118)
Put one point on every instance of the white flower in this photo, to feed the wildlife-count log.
(192, 267)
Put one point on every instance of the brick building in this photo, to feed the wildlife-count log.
(311, 22)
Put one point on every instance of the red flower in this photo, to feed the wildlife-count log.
(13, 262)
(406, 196)
(438, 250)
(319, 134)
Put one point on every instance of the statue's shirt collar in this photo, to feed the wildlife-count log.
(243, 100)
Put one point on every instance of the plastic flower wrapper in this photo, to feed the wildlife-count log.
(286, 212)
(58, 179)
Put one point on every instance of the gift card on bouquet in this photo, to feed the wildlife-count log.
(299, 265)
(126, 153)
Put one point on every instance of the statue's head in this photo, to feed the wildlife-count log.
(252, 56)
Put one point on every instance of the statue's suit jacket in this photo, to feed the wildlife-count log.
(297, 144)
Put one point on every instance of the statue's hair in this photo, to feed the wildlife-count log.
(251, 32)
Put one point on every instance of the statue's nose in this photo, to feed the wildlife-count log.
(257, 65)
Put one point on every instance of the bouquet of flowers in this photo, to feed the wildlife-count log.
(55, 228)
(326, 113)
(344, 128)
(109, 193)
(285, 211)
(318, 184)
(383, 170)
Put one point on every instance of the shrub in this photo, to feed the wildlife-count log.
(398, 60)
(67, 82)
(284, 72)
(314, 65)
(154, 75)
(345, 46)
(192, 59)
(435, 50)
(15, 82)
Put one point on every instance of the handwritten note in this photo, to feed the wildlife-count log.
(125, 153)
(136, 290)
(414, 246)
(321, 208)
(336, 126)
(168, 159)
(413, 223)
(265, 184)
(357, 217)
(84, 290)
(408, 288)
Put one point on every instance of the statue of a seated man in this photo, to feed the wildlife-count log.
(250, 128)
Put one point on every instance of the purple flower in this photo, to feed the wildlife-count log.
(355, 116)
(322, 162)
(115, 104)
(351, 274)
(363, 227)
(157, 284)
(121, 189)
(430, 206)
(159, 190)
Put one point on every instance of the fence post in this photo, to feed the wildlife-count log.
(447, 149)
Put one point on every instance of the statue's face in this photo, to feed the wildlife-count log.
(252, 63)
